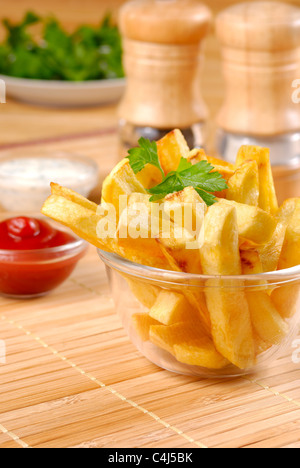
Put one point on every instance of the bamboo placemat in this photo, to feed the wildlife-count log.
(73, 379)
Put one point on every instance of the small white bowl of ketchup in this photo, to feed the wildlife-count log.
(36, 256)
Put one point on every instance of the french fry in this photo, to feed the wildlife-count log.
(142, 324)
(146, 294)
(228, 307)
(171, 148)
(73, 196)
(121, 181)
(266, 320)
(267, 194)
(187, 209)
(254, 224)
(171, 307)
(251, 262)
(290, 254)
(197, 155)
(81, 220)
(286, 297)
(243, 186)
(270, 252)
(188, 344)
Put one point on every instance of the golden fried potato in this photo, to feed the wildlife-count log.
(243, 186)
(254, 224)
(142, 324)
(286, 297)
(267, 194)
(266, 320)
(188, 344)
(228, 307)
(73, 196)
(171, 307)
(145, 293)
(81, 220)
(171, 148)
(290, 254)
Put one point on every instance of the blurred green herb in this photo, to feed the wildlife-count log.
(90, 53)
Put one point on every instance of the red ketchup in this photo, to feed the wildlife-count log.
(35, 257)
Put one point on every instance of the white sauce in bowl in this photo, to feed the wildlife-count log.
(25, 182)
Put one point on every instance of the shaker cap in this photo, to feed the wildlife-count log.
(261, 26)
(165, 21)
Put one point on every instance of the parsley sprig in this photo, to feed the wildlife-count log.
(198, 176)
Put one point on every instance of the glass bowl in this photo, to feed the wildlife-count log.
(135, 289)
(27, 274)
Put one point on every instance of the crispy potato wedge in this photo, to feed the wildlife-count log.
(171, 148)
(121, 181)
(171, 307)
(81, 220)
(251, 262)
(186, 208)
(187, 343)
(270, 252)
(196, 299)
(145, 293)
(243, 186)
(197, 155)
(228, 307)
(254, 224)
(286, 297)
(290, 254)
(266, 320)
(267, 194)
(142, 324)
(73, 196)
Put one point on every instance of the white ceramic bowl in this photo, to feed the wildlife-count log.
(64, 93)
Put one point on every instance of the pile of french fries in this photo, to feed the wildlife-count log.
(243, 233)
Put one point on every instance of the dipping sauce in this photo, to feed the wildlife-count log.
(35, 256)
(24, 233)
(25, 181)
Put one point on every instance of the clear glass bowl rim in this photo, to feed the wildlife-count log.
(142, 272)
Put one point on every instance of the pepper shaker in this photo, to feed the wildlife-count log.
(162, 41)
(261, 60)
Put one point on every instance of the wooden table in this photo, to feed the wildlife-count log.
(72, 378)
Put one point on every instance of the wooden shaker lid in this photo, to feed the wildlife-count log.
(260, 26)
(175, 22)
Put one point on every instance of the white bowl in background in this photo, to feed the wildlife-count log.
(25, 180)
(64, 93)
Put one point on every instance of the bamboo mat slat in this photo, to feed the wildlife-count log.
(73, 379)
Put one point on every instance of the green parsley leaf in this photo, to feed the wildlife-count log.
(199, 176)
(145, 154)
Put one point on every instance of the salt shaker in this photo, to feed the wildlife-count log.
(261, 61)
(162, 41)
